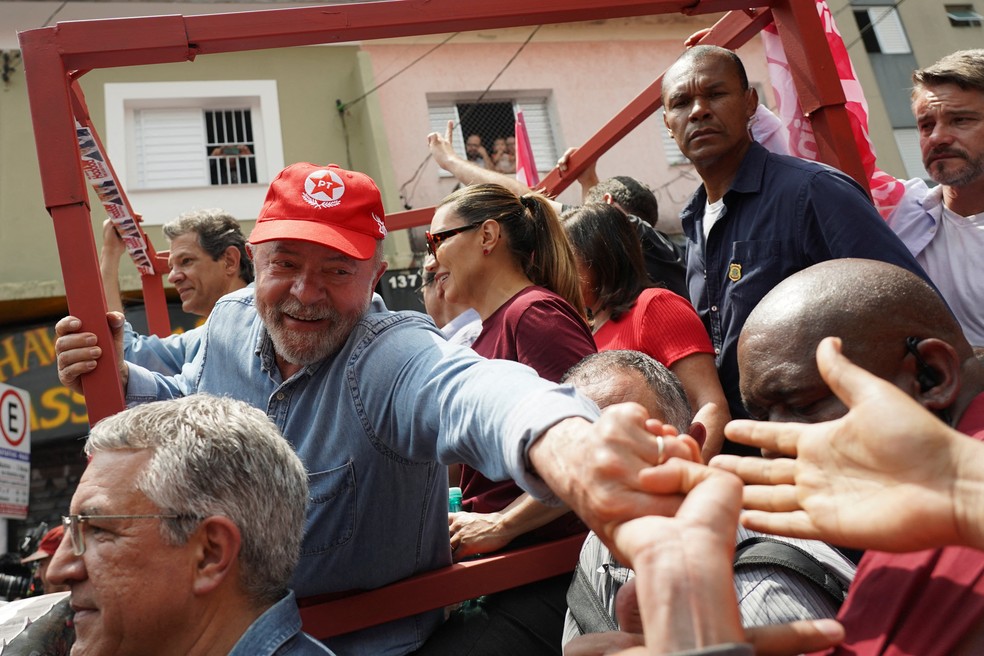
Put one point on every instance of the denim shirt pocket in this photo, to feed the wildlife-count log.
(330, 520)
(754, 269)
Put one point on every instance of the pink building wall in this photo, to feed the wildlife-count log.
(588, 71)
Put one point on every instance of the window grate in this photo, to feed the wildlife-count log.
(230, 147)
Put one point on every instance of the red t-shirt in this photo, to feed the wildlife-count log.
(661, 324)
(538, 328)
(921, 603)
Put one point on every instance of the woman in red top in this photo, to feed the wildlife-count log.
(630, 312)
(508, 258)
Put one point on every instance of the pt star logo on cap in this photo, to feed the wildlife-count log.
(734, 272)
(323, 188)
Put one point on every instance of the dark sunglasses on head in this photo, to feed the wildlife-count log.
(434, 240)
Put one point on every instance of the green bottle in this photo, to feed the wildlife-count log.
(454, 499)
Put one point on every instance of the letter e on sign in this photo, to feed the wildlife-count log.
(15, 418)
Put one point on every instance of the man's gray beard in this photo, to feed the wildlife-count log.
(306, 349)
(971, 171)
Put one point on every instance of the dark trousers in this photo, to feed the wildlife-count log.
(524, 621)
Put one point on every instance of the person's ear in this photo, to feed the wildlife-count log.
(216, 543)
(751, 101)
(231, 259)
(937, 373)
(491, 234)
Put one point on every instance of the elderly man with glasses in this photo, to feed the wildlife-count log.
(185, 530)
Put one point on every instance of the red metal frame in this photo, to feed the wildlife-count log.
(54, 57)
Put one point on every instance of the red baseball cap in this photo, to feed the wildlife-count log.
(325, 205)
(48, 545)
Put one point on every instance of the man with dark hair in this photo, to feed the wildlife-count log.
(944, 226)
(208, 260)
(665, 261)
(758, 217)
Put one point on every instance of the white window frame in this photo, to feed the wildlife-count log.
(537, 112)
(963, 16)
(161, 204)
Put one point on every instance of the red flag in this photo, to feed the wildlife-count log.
(886, 190)
(525, 165)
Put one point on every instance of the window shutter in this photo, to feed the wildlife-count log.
(674, 156)
(537, 119)
(888, 28)
(170, 148)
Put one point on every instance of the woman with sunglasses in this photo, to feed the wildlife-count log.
(629, 311)
(508, 258)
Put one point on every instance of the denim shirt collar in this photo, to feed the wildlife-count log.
(271, 629)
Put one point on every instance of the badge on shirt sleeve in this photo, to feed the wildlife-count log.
(734, 272)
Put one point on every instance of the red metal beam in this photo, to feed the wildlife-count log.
(158, 39)
(818, 85)
(67, 198)
(441, 587)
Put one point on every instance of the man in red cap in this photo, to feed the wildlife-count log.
(42, 556)
(377, 403)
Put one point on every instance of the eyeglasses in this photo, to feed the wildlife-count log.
(434, 240)
(426, 281)
(73, 526)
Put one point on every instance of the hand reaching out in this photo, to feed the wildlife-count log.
(881, 477)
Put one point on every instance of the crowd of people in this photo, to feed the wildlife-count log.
(804, 359)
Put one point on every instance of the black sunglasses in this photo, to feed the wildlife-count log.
(434, 240)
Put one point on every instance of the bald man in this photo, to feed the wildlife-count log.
(894, 325)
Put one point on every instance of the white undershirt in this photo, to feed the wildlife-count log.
(712, 214)
(953, 262)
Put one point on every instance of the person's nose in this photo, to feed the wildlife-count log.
(175, 275)
(430, 263)
(940, 135)
(700, 108)
(308, 288)
(65, 567)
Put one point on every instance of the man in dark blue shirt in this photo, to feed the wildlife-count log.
(758, 217)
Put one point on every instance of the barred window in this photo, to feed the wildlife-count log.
(230, 147)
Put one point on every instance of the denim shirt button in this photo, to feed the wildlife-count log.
(280, 396)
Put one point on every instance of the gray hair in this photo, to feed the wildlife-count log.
(664, 384)
(219, 456)
(965, 68)
(217, 230)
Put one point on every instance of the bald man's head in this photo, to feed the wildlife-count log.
(883, 314)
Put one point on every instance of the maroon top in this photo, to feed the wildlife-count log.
(538, 328)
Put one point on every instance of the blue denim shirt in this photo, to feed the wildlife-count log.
(166, 355)
(375, 425)
(277, 632)
(782, 215)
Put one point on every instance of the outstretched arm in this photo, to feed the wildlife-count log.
(469, 172)
(888, 475)
(109, 265)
